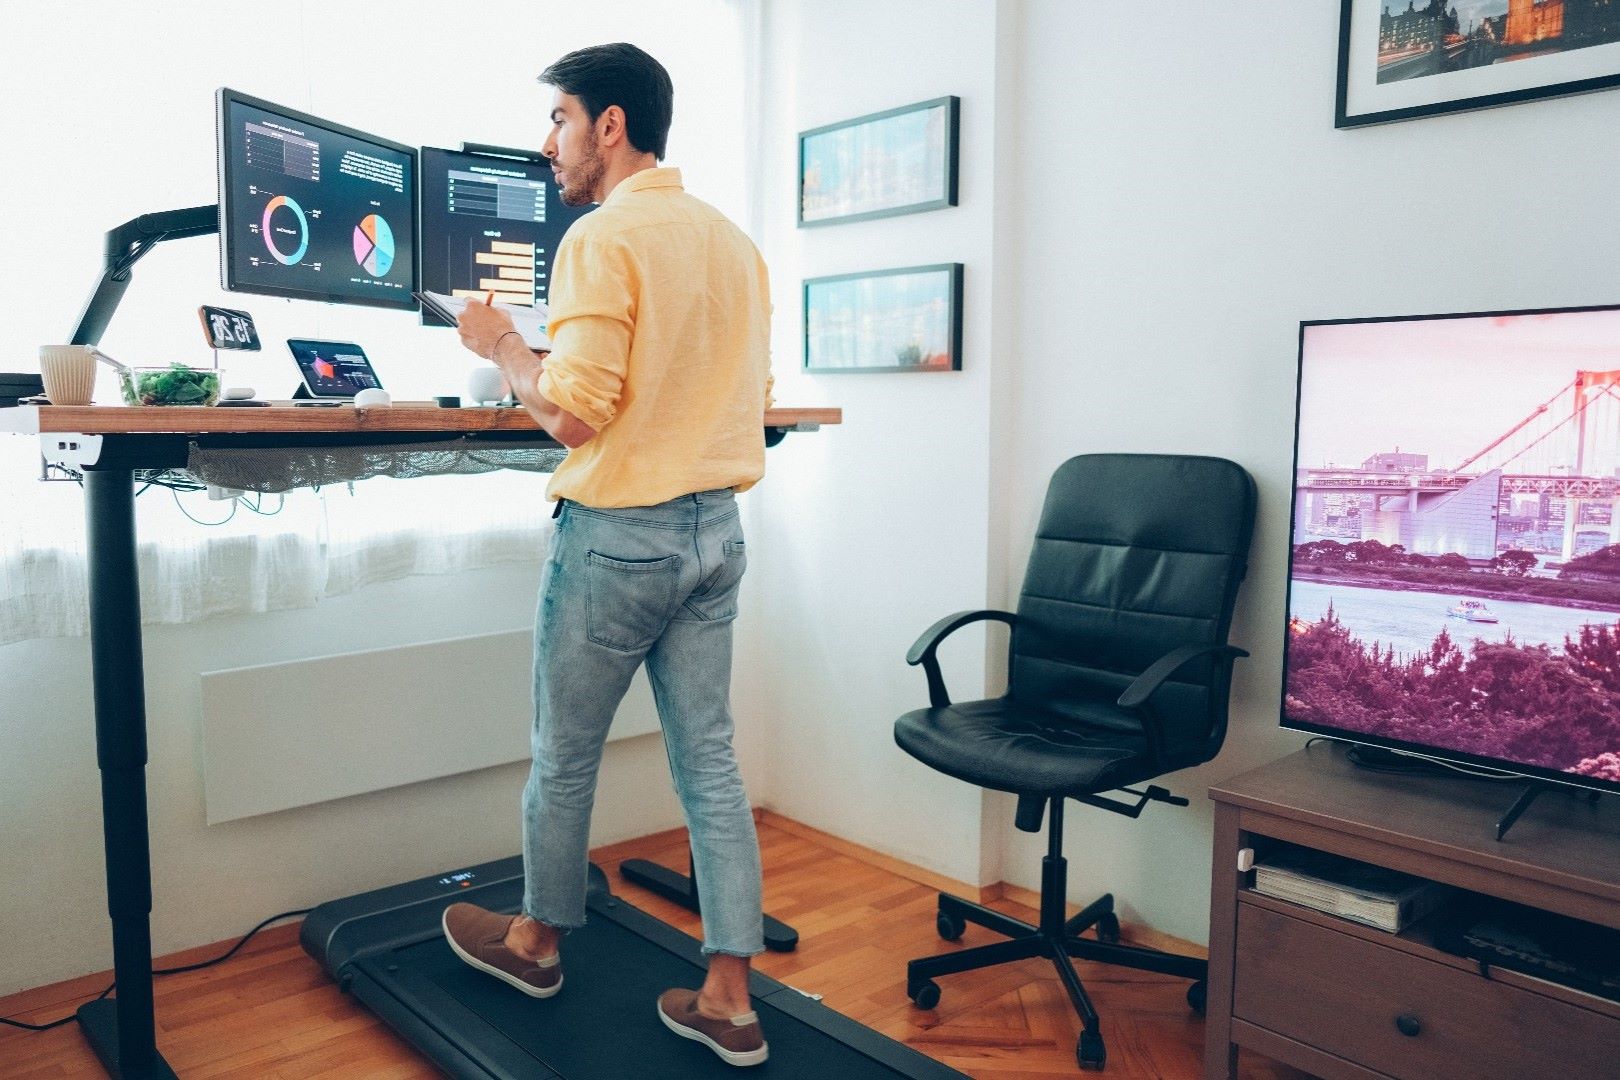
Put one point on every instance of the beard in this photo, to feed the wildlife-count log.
(583, 176)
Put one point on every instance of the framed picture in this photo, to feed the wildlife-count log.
(1397, 62)
(908, 319)
(902, 161)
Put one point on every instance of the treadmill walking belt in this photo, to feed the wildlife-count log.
(386, 948)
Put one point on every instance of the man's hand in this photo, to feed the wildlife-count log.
(481, 326)
(522, 367)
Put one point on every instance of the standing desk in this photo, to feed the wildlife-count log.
(109, 446)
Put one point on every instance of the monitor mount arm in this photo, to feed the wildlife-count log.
(513, 152)
(124, 248)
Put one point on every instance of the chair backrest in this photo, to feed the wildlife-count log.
(1135, 555)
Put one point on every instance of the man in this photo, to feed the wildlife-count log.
(657, 381)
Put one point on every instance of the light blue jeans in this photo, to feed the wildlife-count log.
(657, 584)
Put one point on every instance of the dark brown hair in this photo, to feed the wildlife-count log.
(620, 74)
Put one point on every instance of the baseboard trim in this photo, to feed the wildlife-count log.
(982, 894)
(976, 893)
(1134, 933)
(68, 994)
(76, 989)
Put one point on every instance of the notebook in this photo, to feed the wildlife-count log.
(528, 321)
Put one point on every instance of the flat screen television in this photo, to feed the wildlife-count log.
(312, 209)
(1454, 575)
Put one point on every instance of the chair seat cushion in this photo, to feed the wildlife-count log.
(1005, 744)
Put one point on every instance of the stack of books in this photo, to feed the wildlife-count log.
(1371, 895)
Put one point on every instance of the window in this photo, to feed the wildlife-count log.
(103, 141)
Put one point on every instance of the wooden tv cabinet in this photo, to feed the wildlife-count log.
(1347, 1002)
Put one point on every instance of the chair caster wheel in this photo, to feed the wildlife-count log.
(950, 926)
(1197, 996)
(1108, 929)
(1090, 1053)
(925, 995)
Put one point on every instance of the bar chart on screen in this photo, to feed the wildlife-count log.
(491, 224)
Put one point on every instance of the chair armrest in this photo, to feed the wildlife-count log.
(924, 649)
(1137, 694)
(929, 641)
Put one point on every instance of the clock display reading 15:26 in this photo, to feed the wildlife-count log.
(226, 328)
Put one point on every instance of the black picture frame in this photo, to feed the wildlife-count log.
(912, 164)
(946, 333)
(1386, 67)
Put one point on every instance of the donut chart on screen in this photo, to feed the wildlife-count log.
(269, 239)
(374, 245)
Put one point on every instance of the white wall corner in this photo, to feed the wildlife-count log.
(871, 530)
(1001, 302)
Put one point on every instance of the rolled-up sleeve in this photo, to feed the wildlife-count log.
(594, 287)
(770, 309)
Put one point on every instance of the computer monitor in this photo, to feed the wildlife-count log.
(1454, 583)
(491, 222)
(312, 209)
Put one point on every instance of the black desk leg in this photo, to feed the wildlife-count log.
(682, 889)
(121, 1030)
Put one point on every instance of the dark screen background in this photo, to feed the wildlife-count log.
(490, 201)
(338, 185)
(333, 368)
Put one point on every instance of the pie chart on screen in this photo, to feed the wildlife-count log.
(281, 202)
(374, 245)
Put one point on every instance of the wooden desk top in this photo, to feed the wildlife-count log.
(405, 417)
(1561, 838)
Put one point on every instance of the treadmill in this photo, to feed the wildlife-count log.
(387, 949)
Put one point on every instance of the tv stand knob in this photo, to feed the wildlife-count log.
(1408, 1025)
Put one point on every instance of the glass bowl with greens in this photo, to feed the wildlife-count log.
(176, 384)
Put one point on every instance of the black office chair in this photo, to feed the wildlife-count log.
(1119, 672)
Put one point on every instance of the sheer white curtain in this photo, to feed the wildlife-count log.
(109, 133)
(308, 545)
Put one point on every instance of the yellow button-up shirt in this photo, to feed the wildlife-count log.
(660, 333)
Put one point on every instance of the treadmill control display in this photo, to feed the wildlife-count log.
(464, 879)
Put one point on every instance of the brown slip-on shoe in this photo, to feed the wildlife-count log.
(738, 1041)
(479, 937)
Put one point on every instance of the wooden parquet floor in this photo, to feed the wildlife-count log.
(271, 1014)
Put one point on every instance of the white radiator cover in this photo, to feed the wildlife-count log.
(276, 736)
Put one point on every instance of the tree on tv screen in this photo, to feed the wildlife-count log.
(1601, 565)
(1527, 704)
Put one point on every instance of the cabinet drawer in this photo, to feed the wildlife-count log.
(1351, 997)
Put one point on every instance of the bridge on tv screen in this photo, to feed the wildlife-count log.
(1567, 449)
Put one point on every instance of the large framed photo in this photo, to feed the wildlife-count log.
(1397, 62)
(902, 161)
(909, 319)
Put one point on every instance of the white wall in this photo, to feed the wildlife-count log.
(1184, 202)
(214, 882)
(872, 530)
(112, 117)
(1150, 205)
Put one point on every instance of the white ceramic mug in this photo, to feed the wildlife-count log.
(69, 372)
(487, 384)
